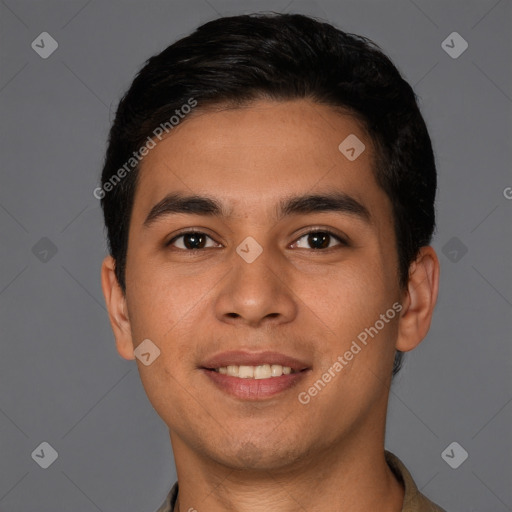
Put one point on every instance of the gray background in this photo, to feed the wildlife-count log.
(61, 379)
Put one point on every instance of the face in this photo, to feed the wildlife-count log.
(255, 285)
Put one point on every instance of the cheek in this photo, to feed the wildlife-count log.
(356, 289)
(165, 315)
(158, 298)
(350, 304)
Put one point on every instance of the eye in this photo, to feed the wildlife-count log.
(192, 240)
(320, 239)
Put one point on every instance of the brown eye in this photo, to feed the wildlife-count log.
(320, 239)
(192, 240)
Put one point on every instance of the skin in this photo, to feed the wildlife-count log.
(277, 453)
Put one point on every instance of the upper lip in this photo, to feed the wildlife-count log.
(243, 358)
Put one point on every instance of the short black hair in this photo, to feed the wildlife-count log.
(238, 59)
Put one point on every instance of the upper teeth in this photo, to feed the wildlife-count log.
(262, 371)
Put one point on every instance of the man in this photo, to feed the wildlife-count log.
(268, 193)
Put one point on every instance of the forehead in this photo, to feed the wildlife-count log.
(253, 155)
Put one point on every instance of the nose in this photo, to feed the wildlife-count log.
(256, 292)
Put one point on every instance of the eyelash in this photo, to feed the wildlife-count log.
(342, 241)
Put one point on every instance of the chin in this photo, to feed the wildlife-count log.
(258, 456)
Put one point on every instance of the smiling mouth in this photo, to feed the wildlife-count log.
(262, 371)
(253, 383)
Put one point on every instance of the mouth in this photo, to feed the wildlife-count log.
(245, 364)
(261, 371)
(254, 376)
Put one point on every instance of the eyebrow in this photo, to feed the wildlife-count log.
(338, 202)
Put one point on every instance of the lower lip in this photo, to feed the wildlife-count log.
(254, 389)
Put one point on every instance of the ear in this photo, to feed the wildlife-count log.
(419, 300)
(117, 310)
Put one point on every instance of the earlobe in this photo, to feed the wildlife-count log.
(117, 309)
(419, 300)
